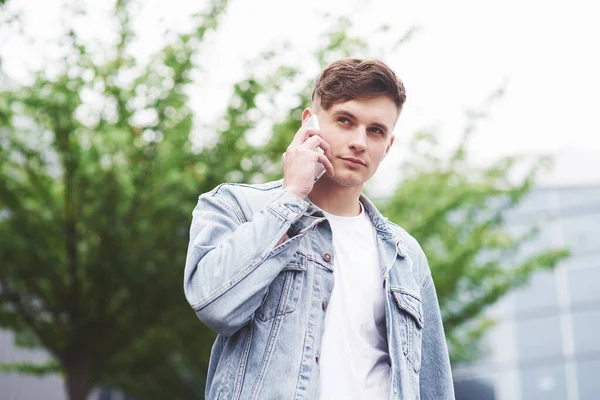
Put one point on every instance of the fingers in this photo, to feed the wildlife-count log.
(306, 148)
(324, 158)
(322, 144)
(327, 164)
(314, 142)
(301, 136)
(317, 141)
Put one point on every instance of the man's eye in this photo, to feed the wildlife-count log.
(343, 120)
(377, 131)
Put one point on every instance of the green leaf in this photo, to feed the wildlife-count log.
(51, 367)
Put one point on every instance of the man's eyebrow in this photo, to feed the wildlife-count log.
(344, 112)
(381, 126)
(348, 114)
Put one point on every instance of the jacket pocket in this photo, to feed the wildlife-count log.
(411, 326)
(283, 293)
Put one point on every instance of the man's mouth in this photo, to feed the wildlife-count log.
(354, 161)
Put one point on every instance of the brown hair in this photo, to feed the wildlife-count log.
(353, 78)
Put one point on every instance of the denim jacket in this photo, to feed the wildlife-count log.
(267, 301)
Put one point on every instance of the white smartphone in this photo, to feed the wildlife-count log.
(313, 122)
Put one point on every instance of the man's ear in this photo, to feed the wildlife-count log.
(388, 148)
(306, 115)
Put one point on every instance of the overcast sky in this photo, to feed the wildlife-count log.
(545, 53)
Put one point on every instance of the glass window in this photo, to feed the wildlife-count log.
(583, 260)
(539, 338)
(104, 394)
(548, 235)
(584, 285)
(587, 379)
(578, 198)
(474, 389)
(580, 233)
(586, 325)
(536, 203)
(544, 383)
(541, 292)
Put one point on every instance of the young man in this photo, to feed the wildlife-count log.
(314, 294)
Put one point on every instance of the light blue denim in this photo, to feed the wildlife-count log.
(266, 302)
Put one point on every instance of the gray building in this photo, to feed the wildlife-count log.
(21, 387)
(15, 386)
(545, 345)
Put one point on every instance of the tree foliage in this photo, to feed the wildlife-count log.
(99, 173)
(98, 180)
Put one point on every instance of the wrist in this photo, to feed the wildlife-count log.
(296, 192)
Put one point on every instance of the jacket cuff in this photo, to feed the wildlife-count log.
(289, 206)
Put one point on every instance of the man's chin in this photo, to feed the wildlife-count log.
(348, 180)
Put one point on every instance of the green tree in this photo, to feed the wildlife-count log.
(99, 173)
(95, 200)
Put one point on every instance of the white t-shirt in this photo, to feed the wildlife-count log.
(354, 357)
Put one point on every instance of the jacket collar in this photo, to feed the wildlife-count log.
(381, 223)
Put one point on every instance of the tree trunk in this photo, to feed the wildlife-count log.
(79, 378)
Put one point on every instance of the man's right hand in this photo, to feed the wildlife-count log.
(299, 161)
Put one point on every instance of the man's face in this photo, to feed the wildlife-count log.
(359, 133)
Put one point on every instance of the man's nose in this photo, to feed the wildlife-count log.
(358, 140)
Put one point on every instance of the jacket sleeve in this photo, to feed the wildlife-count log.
(231, 262)
(435, 376)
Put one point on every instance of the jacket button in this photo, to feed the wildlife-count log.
(317, 357)
(325, 304)
(327, 257)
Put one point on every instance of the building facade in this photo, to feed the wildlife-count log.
(546, 345)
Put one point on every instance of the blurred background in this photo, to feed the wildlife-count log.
(116, 116)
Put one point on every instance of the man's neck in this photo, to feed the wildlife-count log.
(336, 199)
